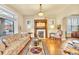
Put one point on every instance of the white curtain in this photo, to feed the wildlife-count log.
(72, 24)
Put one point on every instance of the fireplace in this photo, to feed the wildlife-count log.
(41, 33)
(40, 28)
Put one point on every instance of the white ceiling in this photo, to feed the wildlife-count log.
(48, 9)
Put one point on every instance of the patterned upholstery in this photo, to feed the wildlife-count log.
(15, 44)
(2, 47)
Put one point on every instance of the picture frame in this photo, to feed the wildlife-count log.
(28, 22)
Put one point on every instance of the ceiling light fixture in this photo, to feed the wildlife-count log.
(40, 13)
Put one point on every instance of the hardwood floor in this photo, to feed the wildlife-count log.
(53, 46)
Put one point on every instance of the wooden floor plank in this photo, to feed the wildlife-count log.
(53, 46)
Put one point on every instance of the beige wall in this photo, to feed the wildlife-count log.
(60, 18)
(31, 19)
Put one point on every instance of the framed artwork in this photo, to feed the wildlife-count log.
(28, 22)
(53, 22)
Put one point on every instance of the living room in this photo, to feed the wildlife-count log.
(53, 25)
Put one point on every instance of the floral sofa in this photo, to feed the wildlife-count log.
(13, 44)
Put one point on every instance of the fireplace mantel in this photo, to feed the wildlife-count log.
(40, 28)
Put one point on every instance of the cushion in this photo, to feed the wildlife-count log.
(0, 53)
(2, 47)
(6, 42)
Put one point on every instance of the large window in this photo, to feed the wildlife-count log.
(6, 27)
(7, 22)
(72, 24)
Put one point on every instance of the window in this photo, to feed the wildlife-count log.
(6, 27)
(72, 24)
(7, 21)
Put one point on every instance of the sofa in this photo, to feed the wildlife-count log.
(70, 46)
(75, 34)
(13, 44)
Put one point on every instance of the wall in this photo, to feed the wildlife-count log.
(60, 18)
(30, 27)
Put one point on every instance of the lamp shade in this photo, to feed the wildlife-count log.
(52, 26)
(41, 14)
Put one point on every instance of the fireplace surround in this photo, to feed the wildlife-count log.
(40, 28)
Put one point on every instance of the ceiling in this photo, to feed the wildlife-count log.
(48, 9)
